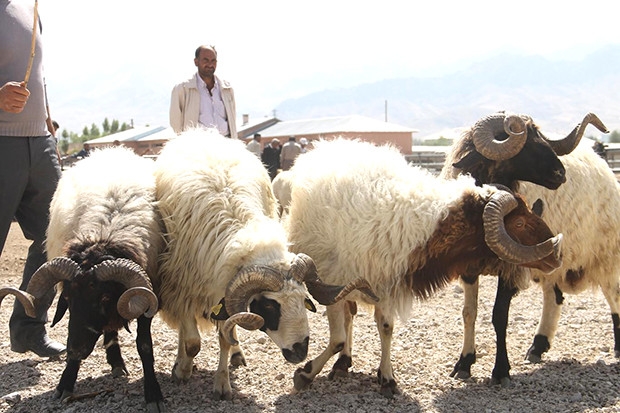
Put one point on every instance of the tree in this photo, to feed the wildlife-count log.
(114, 127)
(614, 136)
(94, 131)
(85, 132)
(106, 127)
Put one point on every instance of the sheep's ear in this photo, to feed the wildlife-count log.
(470, 160)
(61, 309)
(218, 312)
(538, 207)
(310, 305)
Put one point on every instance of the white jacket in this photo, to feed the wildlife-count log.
(185, 105)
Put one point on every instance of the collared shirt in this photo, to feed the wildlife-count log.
(212, 111)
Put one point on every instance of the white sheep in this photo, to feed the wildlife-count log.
(281, 185)
(102, 243)
(405, 231)
(227, 251)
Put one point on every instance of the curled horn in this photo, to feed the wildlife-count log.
(51, 273)
(139, 298)
(303, 269)
(248, 281)
(23, 297)
(484, 131)
(569, 143)
(501, 243)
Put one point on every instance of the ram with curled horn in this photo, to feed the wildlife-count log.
(577, 194)
(230, 264)
(102, 243)
(404, 232)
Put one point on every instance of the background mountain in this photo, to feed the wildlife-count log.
(556, 93)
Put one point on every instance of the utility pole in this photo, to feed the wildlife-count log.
(386, 116)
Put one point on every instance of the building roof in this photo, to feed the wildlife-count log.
(145, 133)
(338, 124)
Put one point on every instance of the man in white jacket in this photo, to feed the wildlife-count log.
(204, 100)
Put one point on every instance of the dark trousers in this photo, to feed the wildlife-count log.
(29, 174)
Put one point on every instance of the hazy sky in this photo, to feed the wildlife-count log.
(275, 50)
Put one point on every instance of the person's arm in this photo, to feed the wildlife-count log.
(176, 109)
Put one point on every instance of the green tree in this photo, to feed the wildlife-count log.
(614, 136)
(94, 131)
(106, 127)
(85, 132)
(114, 127)
(124, 126)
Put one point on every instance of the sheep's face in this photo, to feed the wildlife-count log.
(536, 163)
(92, 311)
(286, 319)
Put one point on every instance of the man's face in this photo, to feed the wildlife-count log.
(206, 62)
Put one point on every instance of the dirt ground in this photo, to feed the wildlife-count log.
(579, 373)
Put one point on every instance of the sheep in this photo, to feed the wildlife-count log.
(558, 173)
(227, 251)
(405, 231)
(102, 243)
(281, 185)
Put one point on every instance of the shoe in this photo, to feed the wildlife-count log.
(43, 347)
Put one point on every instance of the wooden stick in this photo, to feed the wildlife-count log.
(33, 43)
(83, 396)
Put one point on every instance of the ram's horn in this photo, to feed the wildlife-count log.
(23, 297)
(248, 281)
(485, 130)
(304, 269)
(501, 243)
(51, 273)
(139, 298)
(569, 143)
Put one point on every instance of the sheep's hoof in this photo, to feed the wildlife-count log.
(237, 360)
(119, 371)
(300, 380)
(156, 407)
(388, 387)
(505, 382)
(180, 377)
(533, 358)
(62, 395)
(222, 395)
(461, 375)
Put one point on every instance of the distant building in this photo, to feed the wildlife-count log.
(350, 127)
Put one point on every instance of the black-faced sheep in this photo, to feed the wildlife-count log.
(405, 231)
(102, 243)
(589, 257)
(227, 251)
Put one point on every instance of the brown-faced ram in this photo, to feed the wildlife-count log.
(580, 198)
(405, 231)
(227, 252)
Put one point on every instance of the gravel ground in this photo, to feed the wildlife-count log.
(579, 374)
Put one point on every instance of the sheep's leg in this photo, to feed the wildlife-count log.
(113, 354)
(501, 371)
(612, 295)
(221, 381)
(385, 325)
(144, 342)
(548, 324)
(337, 337)
(66, 385)
(237, 358)
(462, 368)
(188, 348)
(341, 367)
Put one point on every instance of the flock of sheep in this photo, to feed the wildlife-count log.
(202, 237)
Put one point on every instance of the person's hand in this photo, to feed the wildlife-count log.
(13, 97)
